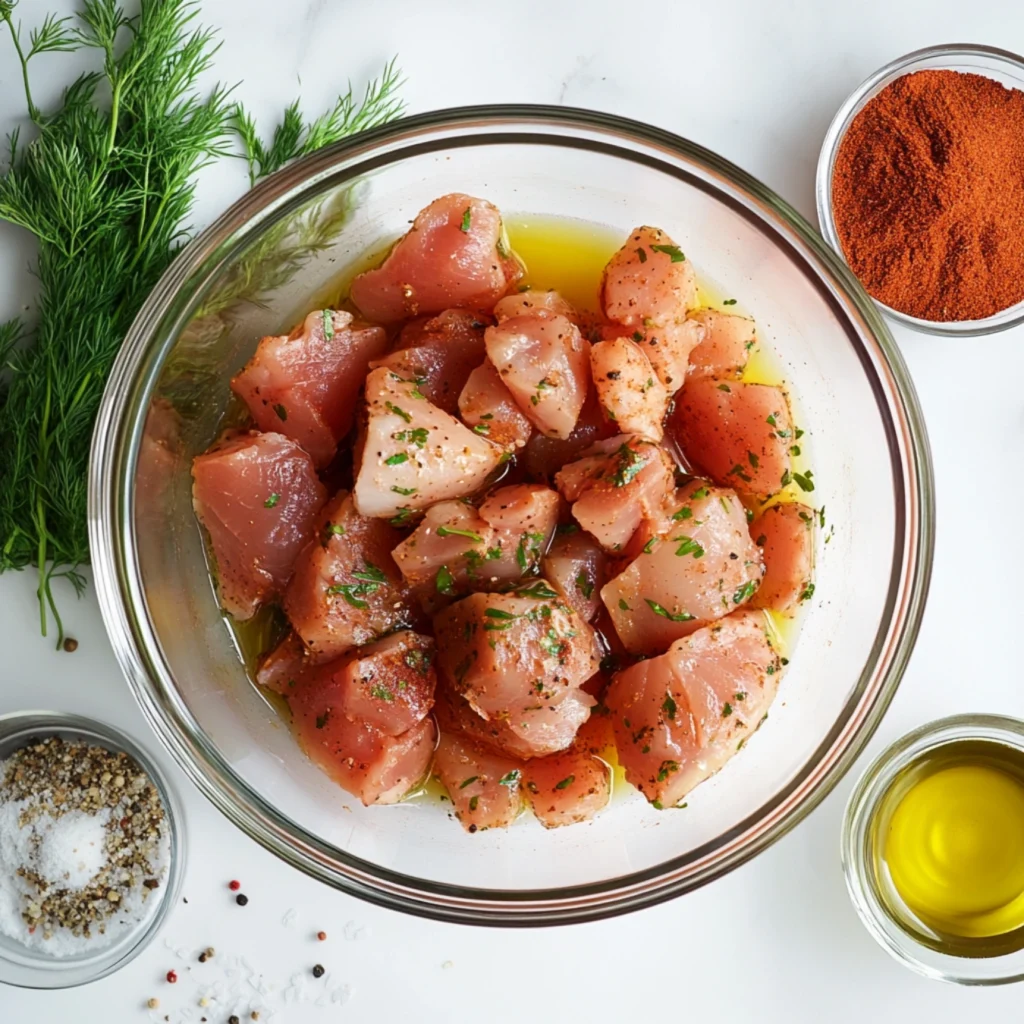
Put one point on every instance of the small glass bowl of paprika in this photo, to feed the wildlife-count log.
(919, 190)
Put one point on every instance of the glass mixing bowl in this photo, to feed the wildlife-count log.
(264, 263)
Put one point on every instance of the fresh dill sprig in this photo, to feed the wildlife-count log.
(295, 137)
(105, 186)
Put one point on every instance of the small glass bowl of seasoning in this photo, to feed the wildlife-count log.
(933, 849)
(919, 188)
(92, 849)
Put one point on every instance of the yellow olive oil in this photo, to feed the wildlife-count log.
(949, 843)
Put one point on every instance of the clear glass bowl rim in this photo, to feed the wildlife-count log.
(861, 807)
(115, 445)
(908, 63)
(46, 973)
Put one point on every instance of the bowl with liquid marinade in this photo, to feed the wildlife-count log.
(282, 250)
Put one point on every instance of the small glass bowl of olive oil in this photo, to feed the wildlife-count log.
(933, 849)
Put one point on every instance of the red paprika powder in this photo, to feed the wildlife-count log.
(928, 196)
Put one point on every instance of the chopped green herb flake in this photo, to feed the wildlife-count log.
(670, 250)
(272, 500)
(510, 778)
(669, 707)
(701, 492)
(728, 302)
(391, 407)
(688, 546)
(725, 388)
(467, 216)
(666, 769)
(666, 614)
(566, 782)
(804, 480)
(650, 545)
(406, 491)
(808, 592)
(474, 803)
(452, 531)
(282, 412)
(328, 324)
(623, 606)
(726, 709)
(584, 585)
(745, 592)
(469, 781)
(684, 513)
(641, 254)
(381, 692)
(396, 460)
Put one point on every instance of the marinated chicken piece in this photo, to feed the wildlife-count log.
(544, 362)
(378, 768)
(628, 389)
(523, 517)
(728, 340)
(567, 788)
(785, 535)
(534, 300)
(284, 665)
(619, 482)
(544, 456)
(258, 497)
(701, 569)
(519, 656)
(439, 354)
(668, 348)
(489, 408)
(305, 384)
(483, 786)
(649, 282)
(536, 733)
(737, 434)
(578, 568)
(347, 590)
(454, 256)
(415, 454)
(679, 717)
(447, 554)
(388, 684)
(455, 548)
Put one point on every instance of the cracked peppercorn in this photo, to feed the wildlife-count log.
(318, 970)
(241, 899)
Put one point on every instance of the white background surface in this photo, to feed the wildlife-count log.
(776, 940)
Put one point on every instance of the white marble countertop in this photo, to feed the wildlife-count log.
(777, 940)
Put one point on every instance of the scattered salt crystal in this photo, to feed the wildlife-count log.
(289, 917)
(341, 994)
(354, 931)
(447, 965)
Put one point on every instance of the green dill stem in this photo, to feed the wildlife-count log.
(33, 110)
(40, 516)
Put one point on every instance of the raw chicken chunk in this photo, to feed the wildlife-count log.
(283, 666)
(305, 384)
(378, 768)
(785, 534)
(454, 256)
(489, 408)
(258, 497)
(455, 548)
(534, 300)
(628, 389)
(543, 361)
(669, 349)
(537, 733)
(702, 568)
(577, 567)
(439, 354)
(415, 454)
(728, 340)
(619, 482)
(388, 684)
(738, 434)
(679, 717)
(520, 657)
(347, 590)
(483, 786)
(648, 282)
(568, 788)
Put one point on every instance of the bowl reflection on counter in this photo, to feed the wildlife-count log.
(255, 271)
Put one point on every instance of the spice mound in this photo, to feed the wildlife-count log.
(928, 196)
(84, 845)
